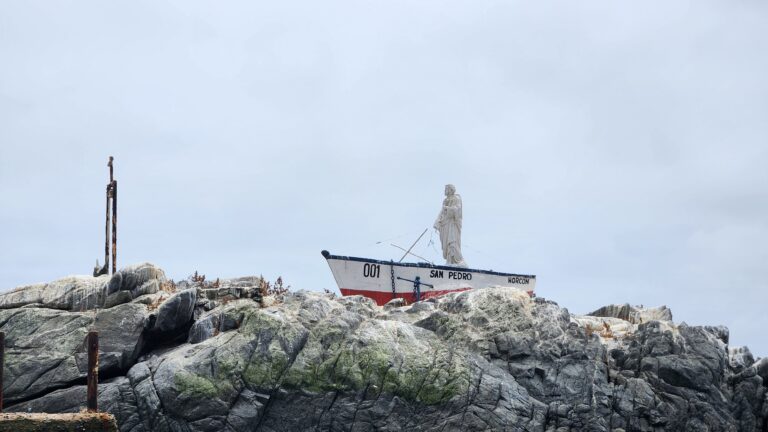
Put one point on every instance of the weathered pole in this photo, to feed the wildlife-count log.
(2, 366)
(93, 371)
(114, 226)
(106, 228)
(113, 185)
(111, 201)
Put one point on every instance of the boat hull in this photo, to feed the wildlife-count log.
(383, 281)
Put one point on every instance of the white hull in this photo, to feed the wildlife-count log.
(379, 279)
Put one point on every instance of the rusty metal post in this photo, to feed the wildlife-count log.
(2, 366)
(106, 232)
(112, 192)
(93, 371)
(114, 226)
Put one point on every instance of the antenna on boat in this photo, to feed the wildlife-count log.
(414, 244)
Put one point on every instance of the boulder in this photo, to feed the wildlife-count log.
(82, 293)
(739, 358)
(225, 318)
(634, 314)
(69, 293)
(761, 367)
(175, 313)
(45, 348)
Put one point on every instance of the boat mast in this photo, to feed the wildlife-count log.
(411, 253)
(414, 244)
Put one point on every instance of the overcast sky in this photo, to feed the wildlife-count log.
(617, 150)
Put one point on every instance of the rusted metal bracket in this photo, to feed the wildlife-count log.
(111, 201)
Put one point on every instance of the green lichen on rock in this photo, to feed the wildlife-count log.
(383, 357)
(227, 367)
(257, 322)
(265, 370)
(194, 385)
(278, 340)
(340, 352)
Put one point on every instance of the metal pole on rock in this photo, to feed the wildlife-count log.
(113, 190)
(93, 371)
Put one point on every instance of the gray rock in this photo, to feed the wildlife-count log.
(739, 358)
(45, 348)
(634, 314)
(204, 328)
(395, 303)
(69, 293)
(226, 318)
(82, 293)
(490, 359)
(139, 279)
(176, 312)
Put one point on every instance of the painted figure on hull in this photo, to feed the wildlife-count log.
(448, 224)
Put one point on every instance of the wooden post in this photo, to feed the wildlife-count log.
(2, 366)
(93, 371)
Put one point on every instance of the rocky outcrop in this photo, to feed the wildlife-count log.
(175, 312)
(491, 359)
(45, 332)
(81, 293)
(634, 314)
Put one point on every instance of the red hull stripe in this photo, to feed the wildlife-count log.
(381, 297)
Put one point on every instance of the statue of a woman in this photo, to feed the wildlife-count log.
(448, 224)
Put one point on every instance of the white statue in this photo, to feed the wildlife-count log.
(448, 224)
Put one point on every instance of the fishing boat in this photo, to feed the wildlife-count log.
(383, 281)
